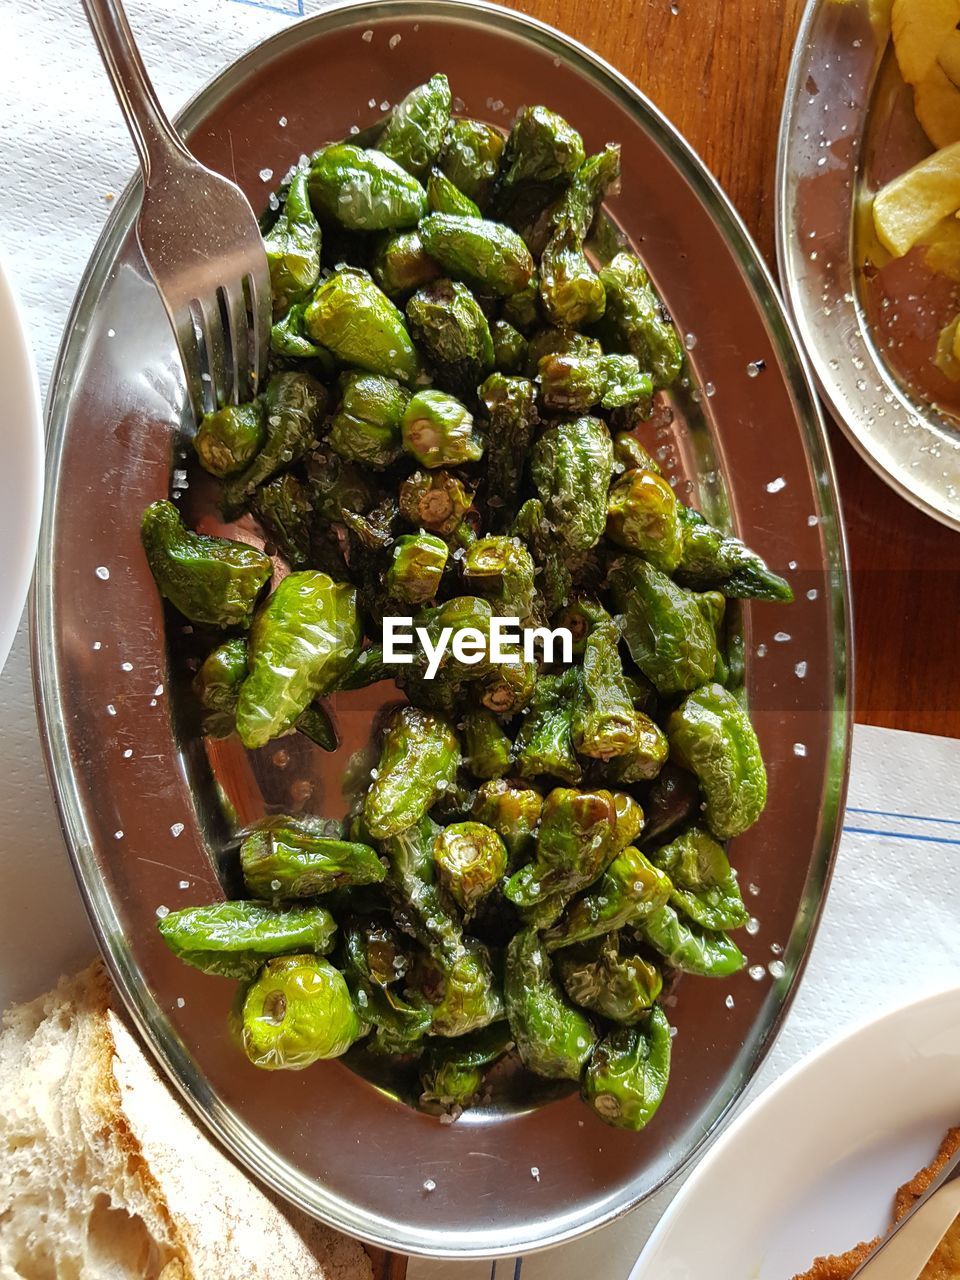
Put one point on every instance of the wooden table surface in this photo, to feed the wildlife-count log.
(717, 69)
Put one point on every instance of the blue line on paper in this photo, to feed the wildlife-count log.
(910, 817)
(516, 1269)
(899, 835)
(293, 8)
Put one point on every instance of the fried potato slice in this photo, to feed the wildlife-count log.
(949, 56)
(936, 101)
(943, 249)
(910, 206)
(920, 27)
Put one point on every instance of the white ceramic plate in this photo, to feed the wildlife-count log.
(21, 464)
(812, 1165)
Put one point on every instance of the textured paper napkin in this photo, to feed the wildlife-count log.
(889, 929)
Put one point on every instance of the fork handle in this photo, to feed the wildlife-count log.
(155, 138)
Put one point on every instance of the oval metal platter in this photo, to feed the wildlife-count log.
(150, 810)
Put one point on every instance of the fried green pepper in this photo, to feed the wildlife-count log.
(626, 385)
(217, 686)
(705, 886)
(645, 760)
(209, 580)
(471, 158)
(366, 426)
(443, 196)
(355, 320)
(626, 1079)
(293, 247)
(302, 641)
(416, 130)
(501, 569)
(364, 190)
(575, 844)
(469, 998)
(672, 801)
(631, 455)
(571, 465)
(419, 757)
(552, 1037)
(630, 889)
(711, 735)
(452, 1075)
(337, 486)
(509, 347)
(545, 742)
(287, 857)
(629, 820)
(605, 723)
(228, 439)
(438, 430)
(233, 939)
(400, 264)
(513, 812)
(297, 1012)
(687, 946)
(511, 418)
(541, 156)
(668, 629)
(643, 516)
(285, 510)
(416, 567)
(471, 861)
(451, 330)
(711, 560)
(483, 253)
(487, 749)
(435, 500)
(522, 309)
(634, 321)
(618, 985)
(294, 404)
(375, 962)
(570, 290)
(551, 341)
(288, 337)
(315, 723)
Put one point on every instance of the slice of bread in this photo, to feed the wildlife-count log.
(104, 1175)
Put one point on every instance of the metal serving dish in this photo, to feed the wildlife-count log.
(144, 801)
(848, 127)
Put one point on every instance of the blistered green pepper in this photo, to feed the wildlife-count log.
(552, 1037)
(487, 749)
(416, 567)
(435, 500)
(400, 264)
(294, 404)
(227, 439)
(509, 347)
(553, 557)
(316, 724)
(415, 131)
(501, 569)
(288, 857)
(570, 383)
(443, 196)
(288, 337)
(631, 455)
(570, 290)
(293, 247)
(634, 321)
(483, 253)
(643, 516)
(512, 416)
(298, 1012)
(301, 642)
(629, 819)
(713, 560)
(687, 946)
(605, 723)
(513, 812)
(601, 977)
(452, 1075)
(626, 1079)
(364, 190)
(645, 760)
(545, 742)
(419, 756)
(522, 309)
(337, 486)
(217, 686)
(551, 341)
(571, 465)
(375, 962)
(711, 735)
(705, 886)
(626, 386)
(438, 430)
(361, 326)
(233, 939)
(366, 426)
(471, 860)
(541, 156)
(575, 844)
(469, 998)
(672, 801)
(630, 889)
(285, 510)
(209, 580)
(471, 158)
(451, 330)
(668, 629)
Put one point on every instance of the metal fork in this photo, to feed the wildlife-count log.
(197, 233)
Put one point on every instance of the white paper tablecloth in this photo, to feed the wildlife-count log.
(889, 931)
